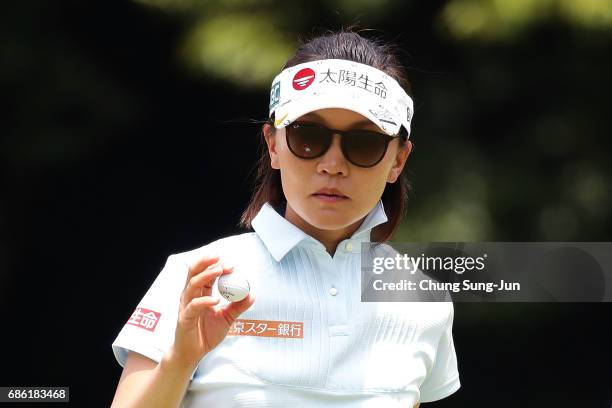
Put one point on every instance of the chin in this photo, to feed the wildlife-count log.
(329, 225)
(326, 219)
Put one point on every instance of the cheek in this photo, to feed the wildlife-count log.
(294, 171)
(388, 161)
(286, 159)
(371, 181)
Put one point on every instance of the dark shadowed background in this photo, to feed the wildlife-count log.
(126, 138)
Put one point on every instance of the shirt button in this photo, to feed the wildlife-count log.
(349, 246)
(333, 291)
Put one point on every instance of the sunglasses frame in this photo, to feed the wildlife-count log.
(343, 134)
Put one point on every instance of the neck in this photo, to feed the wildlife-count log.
(329, 238)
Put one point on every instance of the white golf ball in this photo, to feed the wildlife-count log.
(233, 288)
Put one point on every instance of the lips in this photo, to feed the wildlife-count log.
(330, 193)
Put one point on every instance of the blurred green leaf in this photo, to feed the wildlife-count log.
(246, 49)
(491, 20)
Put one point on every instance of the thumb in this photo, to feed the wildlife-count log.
(235, 309)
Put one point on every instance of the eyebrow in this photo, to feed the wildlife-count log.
(353, 125)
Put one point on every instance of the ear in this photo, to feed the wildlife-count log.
(270, 136)
(400, 160)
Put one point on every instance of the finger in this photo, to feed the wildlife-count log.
(201, 264)
(197, 305)
(207, 285)
(203, 282)
(195, 285)
(233, 310)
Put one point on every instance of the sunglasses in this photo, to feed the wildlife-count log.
(363, 148)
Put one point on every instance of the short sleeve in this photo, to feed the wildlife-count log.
(150, 329)
(443, 379)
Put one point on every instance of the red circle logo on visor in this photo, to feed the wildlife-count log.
(303, 78)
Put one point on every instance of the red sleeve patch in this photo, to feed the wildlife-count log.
(144, 318)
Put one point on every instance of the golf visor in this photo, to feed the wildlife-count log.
(338, 83)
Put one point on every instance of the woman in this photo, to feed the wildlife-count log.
(331, 171)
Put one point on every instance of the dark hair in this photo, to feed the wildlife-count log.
(349, 45)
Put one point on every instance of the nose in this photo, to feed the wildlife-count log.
(333, 161)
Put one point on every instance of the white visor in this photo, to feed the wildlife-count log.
(338, 83)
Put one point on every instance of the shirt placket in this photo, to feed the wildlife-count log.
(336, 289)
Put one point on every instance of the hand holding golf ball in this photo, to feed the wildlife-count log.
(202, 322)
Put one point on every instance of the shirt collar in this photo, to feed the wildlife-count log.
(280, 236)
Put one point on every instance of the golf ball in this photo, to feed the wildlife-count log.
(233, 287)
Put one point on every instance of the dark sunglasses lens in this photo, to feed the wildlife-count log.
(307, 141)
(364, 148)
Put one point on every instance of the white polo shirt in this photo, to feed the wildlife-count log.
(308, 340)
